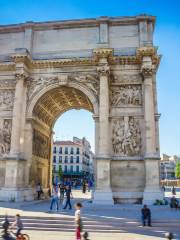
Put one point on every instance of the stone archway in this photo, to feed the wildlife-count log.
(105, 65)
(45, 107)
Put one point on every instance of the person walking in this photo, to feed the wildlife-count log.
(54, 200)
(173, 190)
(78, 221)
(39, 191)
(68, 194)
(84, 187)
(61, 189)
(18, 224)
(146, 215)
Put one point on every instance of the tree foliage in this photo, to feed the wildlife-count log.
(177, 170)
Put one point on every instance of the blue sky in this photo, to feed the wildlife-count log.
(167, 37)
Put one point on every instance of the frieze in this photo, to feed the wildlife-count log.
(89, 80)
(126, 95)
(126, 136)
(125, 79)
(36, 84)
(5, 136)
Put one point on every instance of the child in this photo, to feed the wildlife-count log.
(78, 221)
(18, 223)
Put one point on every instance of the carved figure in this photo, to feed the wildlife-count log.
(126, 137)
(5, 137)
(126, 95)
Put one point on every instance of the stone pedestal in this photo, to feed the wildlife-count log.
(14, 188)
(103, 192)
(152, 190)
(16, 194)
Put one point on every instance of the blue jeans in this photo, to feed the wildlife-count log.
(54, 200)
(148, 218)
(68, 202)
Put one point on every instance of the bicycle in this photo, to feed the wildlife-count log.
(21, 236)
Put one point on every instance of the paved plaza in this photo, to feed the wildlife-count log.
(101, 221)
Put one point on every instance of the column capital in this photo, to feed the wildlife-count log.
(102, 53)
(103, 70)
(147, 71)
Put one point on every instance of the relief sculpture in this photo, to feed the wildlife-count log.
(90, 80)
(126, 95)
(126, 137)
(40, 145)
(5, 136)
(6, 99)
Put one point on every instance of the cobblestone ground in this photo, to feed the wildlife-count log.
(102, 222)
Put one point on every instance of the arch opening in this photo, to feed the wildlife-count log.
(48, 108)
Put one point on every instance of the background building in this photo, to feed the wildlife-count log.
(167, 166)
(72, 159)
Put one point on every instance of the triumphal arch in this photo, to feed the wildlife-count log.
(105, 65)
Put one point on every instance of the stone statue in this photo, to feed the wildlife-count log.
(126, 137)
(126, 95)
(5, 137)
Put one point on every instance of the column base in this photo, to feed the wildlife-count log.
(16, 194)
(103, 197)
(150, 196)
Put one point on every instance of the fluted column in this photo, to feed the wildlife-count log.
(152, 184)
(17, 115)
(104, 72)
(103, 193)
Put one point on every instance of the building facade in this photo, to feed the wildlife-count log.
(167, 166)
(74, 158)
(106, 65)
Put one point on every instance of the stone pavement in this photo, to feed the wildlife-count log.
(102, 222)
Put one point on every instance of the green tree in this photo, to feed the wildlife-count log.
(177, 170)
(60, 173)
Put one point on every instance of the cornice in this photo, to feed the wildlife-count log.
(91, 22)
(32, 64)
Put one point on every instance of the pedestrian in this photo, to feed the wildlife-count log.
(68, 197)
(78, 221)
(18, 223)
(39, 191)
(173, 190)
(54, 199)
(61, 189)
(84, 187)
(174, 203)
(5, 226)
(146, 215)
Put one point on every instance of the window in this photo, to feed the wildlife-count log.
(77, 151)
(72, 150)
(60, 159)
(54, 159)
(54, 167)
(65, 168)
(71, 168)
(66, 159)
(71, 159)
(54, 150)
(60, 150)
(66, 150)
(77, 168)
(77, 159)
